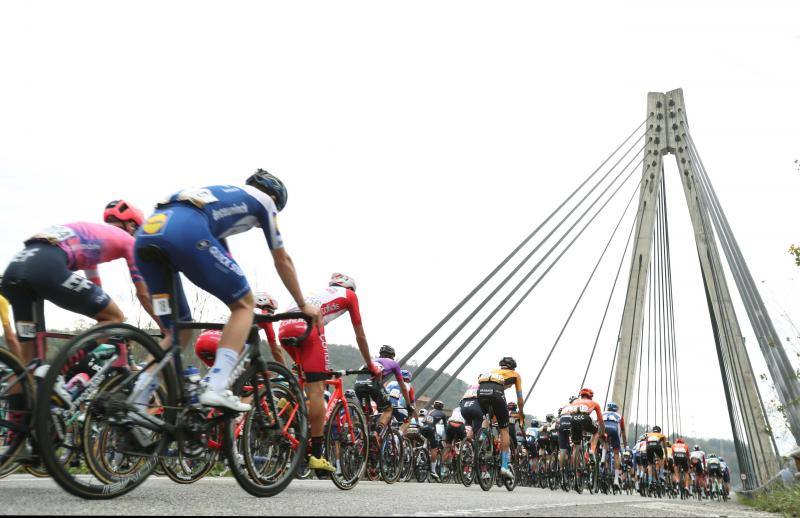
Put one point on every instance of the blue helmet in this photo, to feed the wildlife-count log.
(269, 185)
(406, 375)
(612, 407)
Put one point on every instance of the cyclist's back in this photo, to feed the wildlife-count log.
(471, 408)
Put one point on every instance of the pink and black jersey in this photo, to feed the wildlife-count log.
(90, 244)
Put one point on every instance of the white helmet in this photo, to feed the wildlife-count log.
(340, 279)
(265, 301)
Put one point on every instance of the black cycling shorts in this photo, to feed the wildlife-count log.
(472, 413)
(681, 461)
(564, 428)
(40, 272)
(581, 423)
(455, 432)
(654, 450)
(492, 395)
(430, 433)
(368, 390)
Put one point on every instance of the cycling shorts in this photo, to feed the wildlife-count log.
(512, 434)
(492, 395)
(430, 434)
(726, 476)
(39, 272)
(697, 466)
(612, 429)
(653, 451)
(581, 423)
(681, 461)
(311, 353)
(552, 443)
(368, 390)
(400, 414)
(455, 432)
(184, 235)
(564, 431)
(713, 470)
(472, 413)
(641, 459)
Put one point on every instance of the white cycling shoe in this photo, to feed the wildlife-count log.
(223, 399)
(506, 473)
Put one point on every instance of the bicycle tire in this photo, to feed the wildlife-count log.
(466, 461)
(47, 396)
(391, 456)
(10, 364)
(484, 462)
(352, 458)
(422, 464)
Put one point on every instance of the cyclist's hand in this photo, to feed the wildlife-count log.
(315, 314)
(410, 410)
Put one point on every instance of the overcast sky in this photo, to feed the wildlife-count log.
(420, 141)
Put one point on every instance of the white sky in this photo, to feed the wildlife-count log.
(419, 142)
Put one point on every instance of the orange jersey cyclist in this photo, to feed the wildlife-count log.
(491, 394)
(581, 410)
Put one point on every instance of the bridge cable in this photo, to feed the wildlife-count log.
(483, 324)
(480, 285)
(640, 373)
(530, 289)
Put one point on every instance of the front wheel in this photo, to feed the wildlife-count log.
(466, 462)
(422, 464)
(346, 442)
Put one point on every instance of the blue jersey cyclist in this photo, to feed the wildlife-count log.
(189, 228)
(615, 430)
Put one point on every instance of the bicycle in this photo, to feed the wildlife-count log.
(487, 454)
(421, 459)
(270, 436)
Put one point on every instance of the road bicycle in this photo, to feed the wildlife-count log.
(487, 454)
(263, 460)
(421, 458)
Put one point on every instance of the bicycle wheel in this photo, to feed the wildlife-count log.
(391, 456)
(593, 477)
(346, 445)
(188, 470)
(466, 462)
(408, 461)
(272, 445)
(511, 483)
(53, 413)
(580, 466)
(484, 462)
(15, 409)
(422, 464)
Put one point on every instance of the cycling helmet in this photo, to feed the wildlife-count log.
(422, 412)
(572, 398)
(559, 412)
(266, 302)
(587, 392)
(696, 448)
(612, 407)
(342, 280)
(386, 351)
(549, 418)
(438, 405)
(121, 210)
(679, 440)
(656, 429)
(269, 185)
(406, 375)
(721, 459)
(206, 346)
(534, 424)
(512, 407)
(350, 394)
(508, 363)
(643, 437)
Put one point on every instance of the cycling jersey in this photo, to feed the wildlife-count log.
(4, 311)
(189, 227)
(368, 388)
(396, 394)
(505, 377)
(614, 424)
(471, 392)
(456, 417)
(90, 244)
(655, 438)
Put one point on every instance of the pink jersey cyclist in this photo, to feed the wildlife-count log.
(312, 354)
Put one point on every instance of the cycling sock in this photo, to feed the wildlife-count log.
(224, 363)
(504, 457)
(433, 467)
(144, 381)
(316, 447)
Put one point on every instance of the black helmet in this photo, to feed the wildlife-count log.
(387, 351)
(350, 394)
(534, 424)
(549, 418)
(508, 363)
(269, 185)
(512, 406)
(438, 405)
(656, 429)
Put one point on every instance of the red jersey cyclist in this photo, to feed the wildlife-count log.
(581, 411)
(312, 353)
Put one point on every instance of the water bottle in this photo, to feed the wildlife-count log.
(77, 384)
(191, 375)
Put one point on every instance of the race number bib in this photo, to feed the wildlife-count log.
(196, 196)
(55, 234)
(161, 304)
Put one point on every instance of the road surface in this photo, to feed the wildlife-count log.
(23, 494)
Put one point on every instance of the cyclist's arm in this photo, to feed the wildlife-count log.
(520, 400)
(622, 430)
(274, 348)
(601, 425)
(403, 389)
(287, 273)
(11, 340)
(144, 299)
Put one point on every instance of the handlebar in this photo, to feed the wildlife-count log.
(347, 372)
(260, 319)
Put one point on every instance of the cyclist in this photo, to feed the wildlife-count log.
(655, 453)
(714, 469)
(513, 417)
(564, 430)
(190, 228)
(726, 475)
(581, 410)
(615, 430)
(491, 393)
(454, 431)
(8, 331)
(552, 444)
(532, 435)
(435, 429)
(680, 459)
(399, 412)
(640, 454)
(627, 464)
(697, 459)
(471, 410)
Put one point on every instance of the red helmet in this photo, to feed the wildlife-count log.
(587, 392)
(121, 210)
(206, 346)
(679, 440)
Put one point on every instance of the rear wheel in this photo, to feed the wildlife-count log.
(422, 464)
(466, 462)
(269, 453)
(346, 445)
(15, 409)
(484, 462)
(391, 456)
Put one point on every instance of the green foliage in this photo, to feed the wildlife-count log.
(795, 251)
(783, 499)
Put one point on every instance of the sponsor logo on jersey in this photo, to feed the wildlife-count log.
(155, 223)
(224, 212)
(226, 261)
(203, 244)
(331, 307)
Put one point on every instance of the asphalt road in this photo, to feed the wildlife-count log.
(23, 494)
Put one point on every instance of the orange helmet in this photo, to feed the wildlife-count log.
(587, 392)
(121, 210)
(679, 440)
(206, 346)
